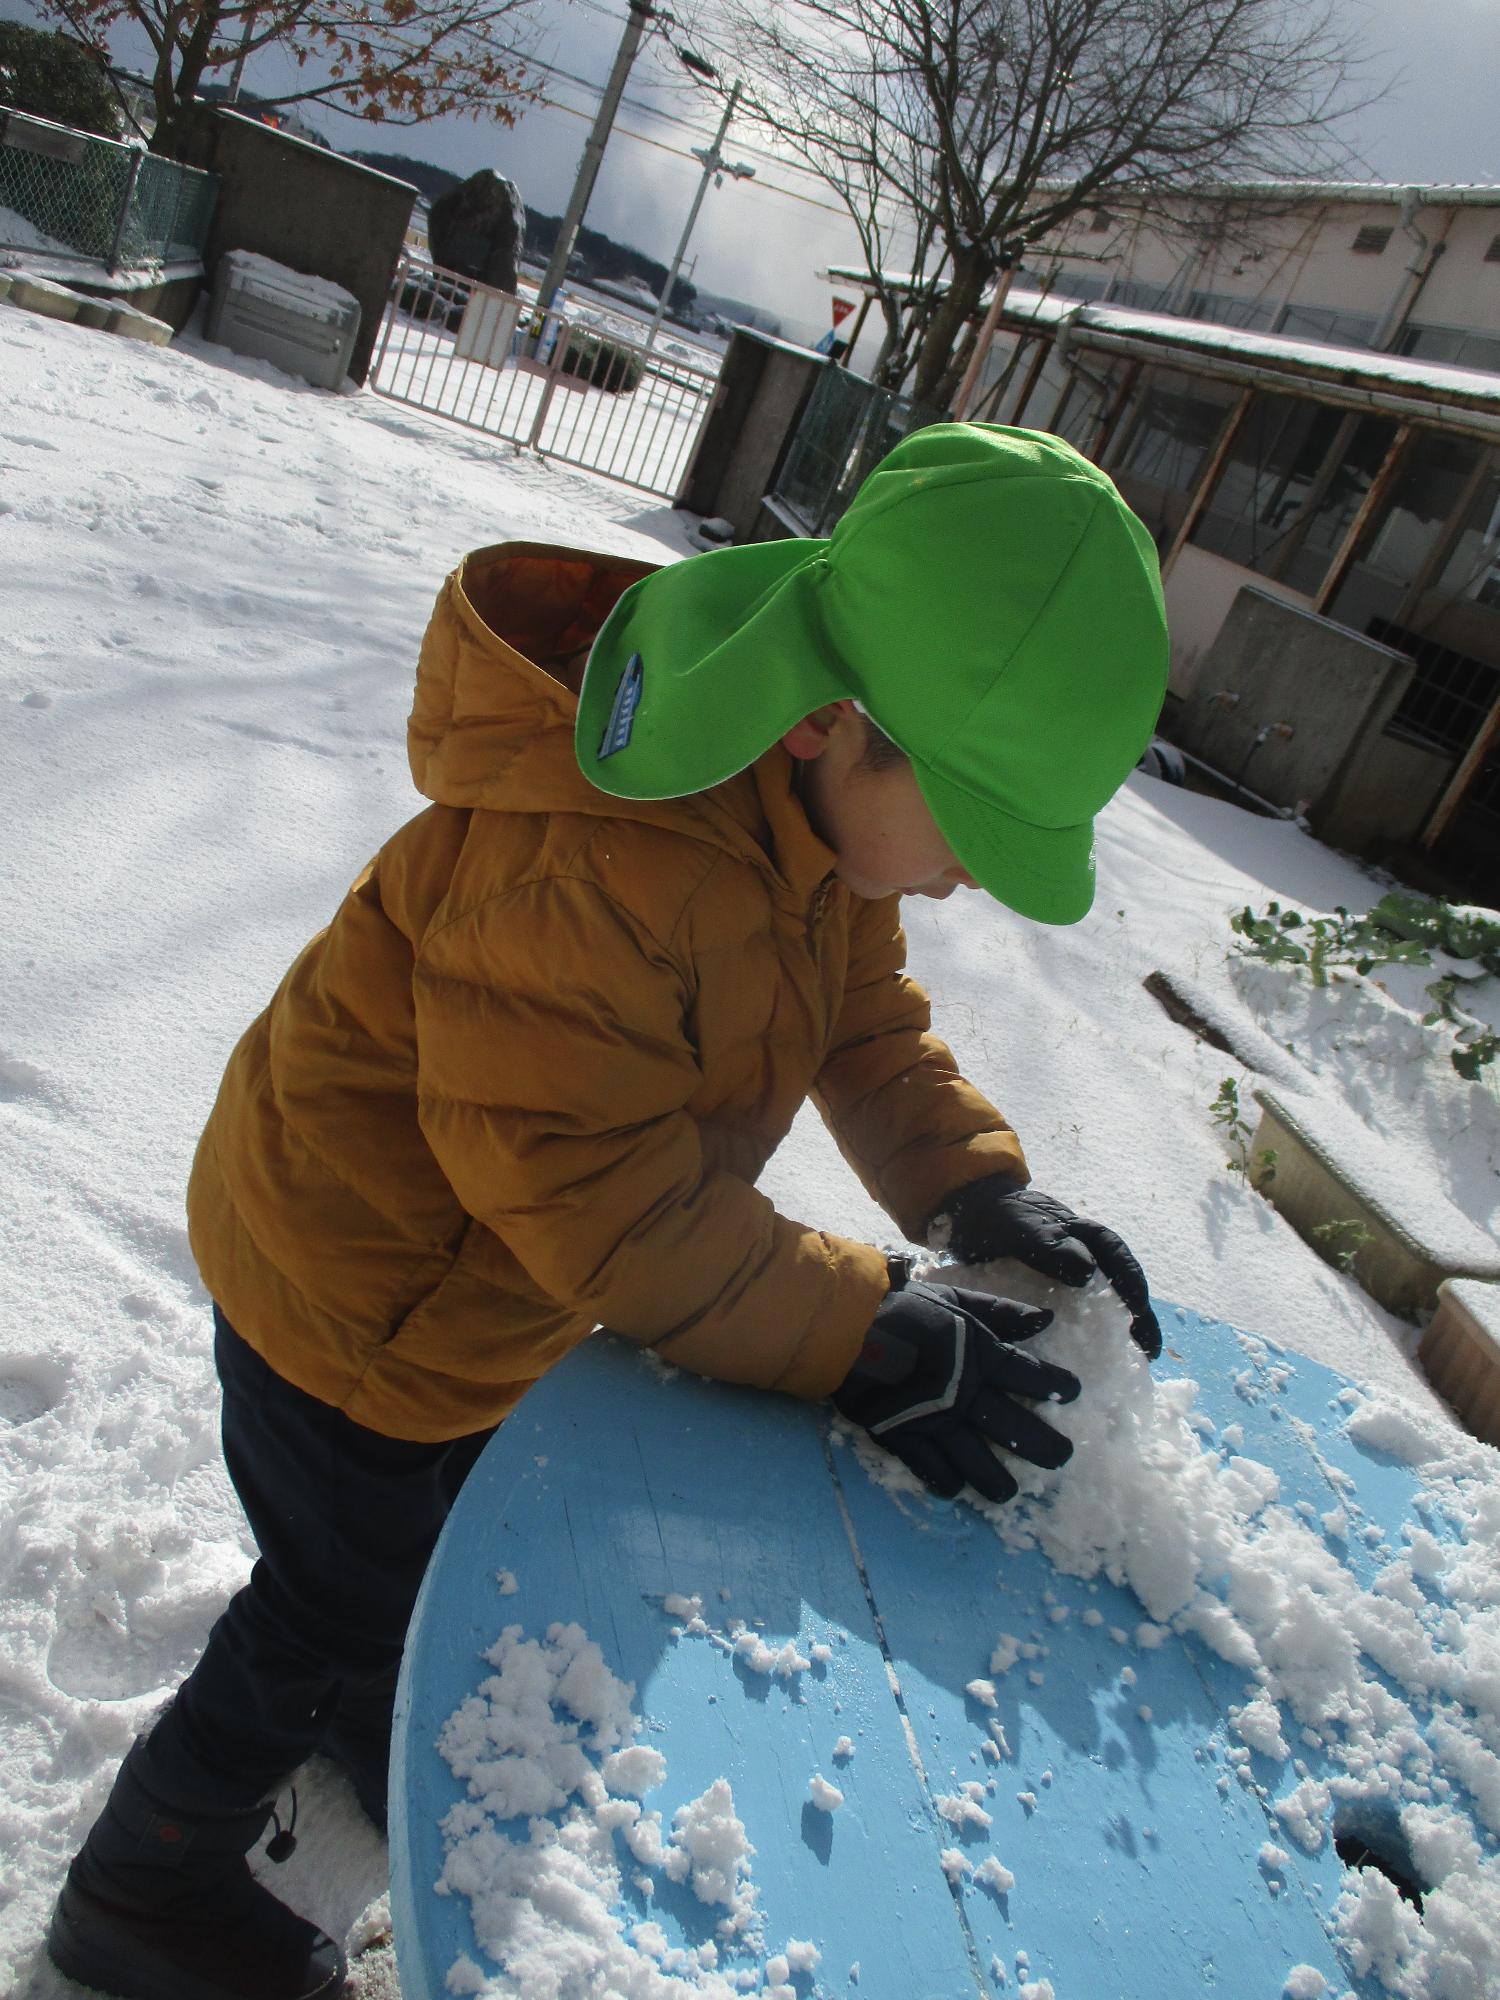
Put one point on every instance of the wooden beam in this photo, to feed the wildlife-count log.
(1463, 777)
(1206, 484)
(1380, 486)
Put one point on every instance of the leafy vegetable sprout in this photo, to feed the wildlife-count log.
(1286, 937)
(1343, 1241)
(1401, 930)
(1225, 1111)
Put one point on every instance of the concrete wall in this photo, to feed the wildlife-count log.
(310, 209)
(1384, 795)
(1333, 687)
(1200, 589)
(172, 299)
(762, 391)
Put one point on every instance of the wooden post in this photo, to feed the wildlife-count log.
(970, 382)
(1380, 486)
(1199, 500)
(859, 327)
(1033, 376)
(1115, 411)
(1463, 777)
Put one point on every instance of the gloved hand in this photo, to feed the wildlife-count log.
(937, 1377)
(994, 1218)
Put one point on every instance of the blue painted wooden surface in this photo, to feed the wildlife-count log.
(1137, 1869)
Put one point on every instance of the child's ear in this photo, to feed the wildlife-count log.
(810, 737)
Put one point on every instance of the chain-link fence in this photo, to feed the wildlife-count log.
(74, 195)
(847, 428)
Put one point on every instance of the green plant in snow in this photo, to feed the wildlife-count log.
(1402, 929)
(1286, 937)
(1226, 1113)
(1476, 1045)
(1462, 933)
(1343, 1241)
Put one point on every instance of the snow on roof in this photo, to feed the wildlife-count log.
(1428, 194)
(1419, 381)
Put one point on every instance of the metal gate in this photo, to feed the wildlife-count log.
(559, 383)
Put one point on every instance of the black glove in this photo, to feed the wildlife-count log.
(994, 1218)
(936, 1378)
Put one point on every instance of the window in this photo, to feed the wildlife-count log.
(1102, 219)
(1459, 345)
(1371, 240)
(1472, 572)
(1079, 285)
(1142, 297)
(1435, 474)
(1291, 486)
(1492, 255)
(1175, 426)
(1449, 695)
(1224, 310)
(1339, 329)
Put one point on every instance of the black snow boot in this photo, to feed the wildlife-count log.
(160, 1903)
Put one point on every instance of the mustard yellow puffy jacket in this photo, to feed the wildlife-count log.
(524, 1082)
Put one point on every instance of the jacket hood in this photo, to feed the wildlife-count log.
(495, 708)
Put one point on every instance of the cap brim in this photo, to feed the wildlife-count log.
(1042, 872)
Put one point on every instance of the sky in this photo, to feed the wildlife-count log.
(765, 240)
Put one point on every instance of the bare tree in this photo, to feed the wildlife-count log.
(400, 61)
(959, 133)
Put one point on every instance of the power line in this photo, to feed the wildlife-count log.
(748, 146)
(678, 152)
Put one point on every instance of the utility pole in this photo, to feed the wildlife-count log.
(714, 165)
(232, 95)
(593, 152)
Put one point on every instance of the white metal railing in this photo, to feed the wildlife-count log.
(556, 382)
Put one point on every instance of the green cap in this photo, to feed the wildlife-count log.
(988, 599)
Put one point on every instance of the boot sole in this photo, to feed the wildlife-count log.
(106, 1955)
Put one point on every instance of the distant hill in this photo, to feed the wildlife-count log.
(430, 181)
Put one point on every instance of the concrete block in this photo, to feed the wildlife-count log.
(140, 326)
(1460, 1354)
(6, 279)
(1346, 1195)
(1322, 692)
(95, 313)
(40, 295)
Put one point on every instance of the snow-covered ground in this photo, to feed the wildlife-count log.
(214, 584)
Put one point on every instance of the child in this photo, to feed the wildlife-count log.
(523, 1085)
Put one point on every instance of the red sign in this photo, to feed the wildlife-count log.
(841, 310)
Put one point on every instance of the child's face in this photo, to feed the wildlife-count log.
(875, 820)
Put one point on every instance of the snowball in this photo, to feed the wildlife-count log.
(827, 1798)
(962, 1808)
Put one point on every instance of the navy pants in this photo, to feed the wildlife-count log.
(345, 1520)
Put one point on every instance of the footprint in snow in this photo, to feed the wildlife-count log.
(30, 1386)
(28, 1088)
(259, 734)
(29, 443)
